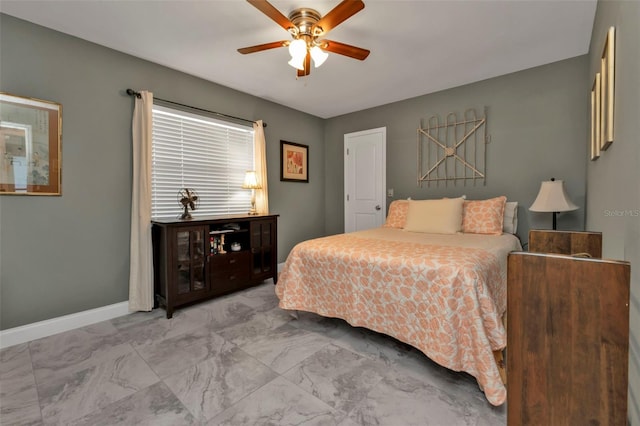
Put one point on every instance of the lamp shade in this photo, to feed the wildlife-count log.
(297, 63)
(318, 55)
(250, 181)
(298, 52)
(552, 198)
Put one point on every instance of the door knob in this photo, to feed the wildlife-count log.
(378, 207)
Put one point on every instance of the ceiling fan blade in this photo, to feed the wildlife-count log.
(261, 47)
(337, 15)
(267, 8)
(307, 66)
(345, 49)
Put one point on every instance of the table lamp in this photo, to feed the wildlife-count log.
(251, 182)
(553, 198)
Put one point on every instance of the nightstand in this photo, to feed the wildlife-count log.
(566, 242)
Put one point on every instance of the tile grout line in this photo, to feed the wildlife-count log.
(35, 381)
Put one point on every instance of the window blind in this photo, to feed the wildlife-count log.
(201, 153)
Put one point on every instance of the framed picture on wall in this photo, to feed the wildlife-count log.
(607, 87)
(30, 136)
(294, 162)
(595, 118)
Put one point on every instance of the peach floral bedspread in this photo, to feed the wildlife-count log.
(443, 294)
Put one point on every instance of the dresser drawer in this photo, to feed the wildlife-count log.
(229, 272)
(237, 277)
(230, 262)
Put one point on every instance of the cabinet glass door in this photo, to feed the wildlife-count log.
(191, 260)
(262, 243)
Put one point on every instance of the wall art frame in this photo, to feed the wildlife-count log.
(30, 146)
(454, 149)
(294, 162)
(595, 118)
(607, 90)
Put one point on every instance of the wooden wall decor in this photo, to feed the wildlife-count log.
(607, 90)
(453, 150)
(603, 99)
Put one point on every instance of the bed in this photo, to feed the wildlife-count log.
(443, 293)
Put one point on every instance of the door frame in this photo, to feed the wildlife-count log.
(383, 186)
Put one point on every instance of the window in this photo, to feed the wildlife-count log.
(199, 152)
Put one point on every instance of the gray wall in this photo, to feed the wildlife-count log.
(538, 126)
(60, 255)
(613, 181)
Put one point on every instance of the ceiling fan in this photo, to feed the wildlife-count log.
(306, 27)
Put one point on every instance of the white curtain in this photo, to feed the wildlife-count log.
(141, 251)
(262, 195)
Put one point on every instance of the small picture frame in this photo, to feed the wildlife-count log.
(294, 162)
(30, 146)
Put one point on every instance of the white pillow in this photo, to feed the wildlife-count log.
(510, 222)
(435, 216)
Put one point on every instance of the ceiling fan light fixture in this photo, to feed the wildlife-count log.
(297, 63)
(298, 52)
(298, 49)
(306, 26)
(318, 56)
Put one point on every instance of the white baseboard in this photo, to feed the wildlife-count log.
(37, 330)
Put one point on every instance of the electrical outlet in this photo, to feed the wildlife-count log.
(390, 192)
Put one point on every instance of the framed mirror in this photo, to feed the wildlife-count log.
(30, 146)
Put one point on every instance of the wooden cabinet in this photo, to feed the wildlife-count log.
(206, 257)
(568, 337)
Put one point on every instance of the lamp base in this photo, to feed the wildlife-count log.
(252, 210)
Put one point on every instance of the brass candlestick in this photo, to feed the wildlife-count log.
(221, 249)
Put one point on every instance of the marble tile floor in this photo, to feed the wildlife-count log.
(235, 360)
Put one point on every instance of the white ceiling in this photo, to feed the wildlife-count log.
(417, 47)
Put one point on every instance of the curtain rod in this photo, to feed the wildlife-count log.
(132, 92)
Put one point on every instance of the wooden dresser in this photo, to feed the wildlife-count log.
(568, 337)
(201, 258)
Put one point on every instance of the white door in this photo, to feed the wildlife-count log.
(365, 179)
